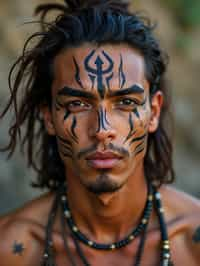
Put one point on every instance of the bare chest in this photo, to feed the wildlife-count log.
(127, 256)
(150, 257)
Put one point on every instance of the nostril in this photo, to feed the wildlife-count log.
(103, 134)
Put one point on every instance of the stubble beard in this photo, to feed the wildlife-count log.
(103, 184)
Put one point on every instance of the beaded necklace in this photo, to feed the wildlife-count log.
(116, 245)
(154, 197)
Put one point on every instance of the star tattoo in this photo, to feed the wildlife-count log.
(18, 248)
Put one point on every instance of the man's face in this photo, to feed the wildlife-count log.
(101, 114)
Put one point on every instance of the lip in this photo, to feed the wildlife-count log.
(103, 160)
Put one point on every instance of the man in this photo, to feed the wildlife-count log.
(95, 105)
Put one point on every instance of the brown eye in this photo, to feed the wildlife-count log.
(77, 105)
(127, 102)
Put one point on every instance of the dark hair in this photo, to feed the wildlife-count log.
(98, 22)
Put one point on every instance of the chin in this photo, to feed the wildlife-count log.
(103, 184)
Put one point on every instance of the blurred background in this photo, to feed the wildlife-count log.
(179, 32)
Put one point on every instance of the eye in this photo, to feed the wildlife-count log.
(77, 105)
(127, 102)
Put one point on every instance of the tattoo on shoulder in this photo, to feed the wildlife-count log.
(196, 235)
(18, 248)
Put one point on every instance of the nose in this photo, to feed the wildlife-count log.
(103, 131)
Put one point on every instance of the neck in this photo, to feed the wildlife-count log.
(108, 217)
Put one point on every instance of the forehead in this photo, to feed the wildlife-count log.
(82, 65)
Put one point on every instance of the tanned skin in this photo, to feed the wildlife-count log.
(101, 102)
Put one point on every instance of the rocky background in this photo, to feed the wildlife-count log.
(179, 32)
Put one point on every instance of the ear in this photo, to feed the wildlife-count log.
(48, 121)
(156, 105)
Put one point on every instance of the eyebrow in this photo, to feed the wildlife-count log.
(66, 91)
(136, 89)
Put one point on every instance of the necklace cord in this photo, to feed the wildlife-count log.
(64, 233)
(125, 241)
(48, 257)
(155, 198)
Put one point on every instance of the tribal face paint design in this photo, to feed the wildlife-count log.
(65, 147)
(134, 115)
(100, 70)
(100, 67)
(122, 78)
(69, 117)
(64, 144)
(18, 248)
(103, 70)
(102, 119)
(67, 114)
(100, 105)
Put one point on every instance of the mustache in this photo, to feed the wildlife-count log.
(111, 147)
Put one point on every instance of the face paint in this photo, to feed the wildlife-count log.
(67, 113)
(104, 89)
(142, 138)
(102, 119)
(139, 148)
(18, 248)
(77, 74)
(135, 111)
(122, 78)
(73, 126)
(66, 147)
(100, 71)
(131, 125)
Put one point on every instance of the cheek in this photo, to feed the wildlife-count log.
(59, 122)
(144, 119)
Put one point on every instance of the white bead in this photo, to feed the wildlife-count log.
(64, 198)
(131, 237)
(150, 197)
(74, 228)
(90, 243)
(144, 221)
(67, 214)
(161, 210)
(158, 195)
(166, 255)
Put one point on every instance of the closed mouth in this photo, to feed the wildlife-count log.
(103, 160)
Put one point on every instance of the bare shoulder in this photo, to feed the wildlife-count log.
(18, 230)
(180, 201)
(185, 209)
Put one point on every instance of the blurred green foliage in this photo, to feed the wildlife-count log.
(186, 12)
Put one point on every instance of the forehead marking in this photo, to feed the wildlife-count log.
(99, 71)
(122, 78)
